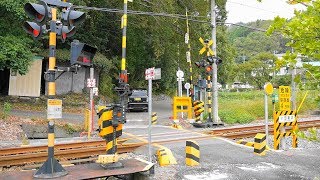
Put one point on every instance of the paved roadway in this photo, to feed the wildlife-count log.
(220, 158)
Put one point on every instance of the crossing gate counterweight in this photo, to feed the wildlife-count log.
(281, 120)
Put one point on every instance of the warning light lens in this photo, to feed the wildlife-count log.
(35, 33)
(209, 69)
(39, 17)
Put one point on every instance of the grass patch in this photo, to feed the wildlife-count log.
(245, 107)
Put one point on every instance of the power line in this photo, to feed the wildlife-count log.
(254, 7)
(177, 16)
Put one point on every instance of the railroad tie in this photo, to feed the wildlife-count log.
(154, 118)
(260, 144)
(192, 153)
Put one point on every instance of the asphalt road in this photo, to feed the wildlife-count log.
(134, 119)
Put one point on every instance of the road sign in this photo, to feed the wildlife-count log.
(206, 46)
(284, 96)
(188, 54)
(268, 88)
(286, 118)
(180, 74)
(95, 91)
(91, 83)
(186, 38)
(157, 74)
(149, 73)
(187, 85)
(54, 109)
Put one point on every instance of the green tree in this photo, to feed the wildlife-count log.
(258, 70)
(303, 32)
(15, 48)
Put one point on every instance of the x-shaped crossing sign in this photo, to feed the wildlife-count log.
(206, 46)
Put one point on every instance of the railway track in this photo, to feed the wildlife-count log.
(88, 151)
(251, 131)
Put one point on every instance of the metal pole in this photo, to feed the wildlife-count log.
(266, 115)
(51, 168)
(90, 126)
(150, 116)
(124, 74)
(214, 65)
(190, 64)
(179, 88)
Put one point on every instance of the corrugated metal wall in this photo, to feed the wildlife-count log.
(29, 84)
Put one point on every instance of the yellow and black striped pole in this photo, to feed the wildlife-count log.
(154, 118)
(189, 54)
(192, 153)
(51, 168)
(124, 20)
(209, 96)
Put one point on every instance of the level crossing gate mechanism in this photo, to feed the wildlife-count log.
(282, 119)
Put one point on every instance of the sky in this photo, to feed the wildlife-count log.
(251, 10)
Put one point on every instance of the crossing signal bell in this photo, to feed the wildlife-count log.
(82, 54)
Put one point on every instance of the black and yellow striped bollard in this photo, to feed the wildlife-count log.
(260, 144)
(154, 118)
(192, 153)
(198, 107)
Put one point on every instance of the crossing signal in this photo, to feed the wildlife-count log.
(82, 54)
(34, 29)
(38, 12)
(71, 17)
(201, 63)
(64, 32)
(213, 59)
(209, 69)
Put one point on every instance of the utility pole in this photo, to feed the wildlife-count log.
(214, 65)
(188, 54)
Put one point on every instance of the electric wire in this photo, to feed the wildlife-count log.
(177, 16)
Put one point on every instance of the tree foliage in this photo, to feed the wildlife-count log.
(303, 32)
(15, 48)
(152, 41)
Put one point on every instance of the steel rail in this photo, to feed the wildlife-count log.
(85, 151)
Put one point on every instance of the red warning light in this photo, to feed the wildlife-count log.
(35, 33)
(39, 17)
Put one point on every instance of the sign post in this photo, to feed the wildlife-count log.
(151, 74)
(180, 78)
(91, 83)
(268, 89)
(187, 86)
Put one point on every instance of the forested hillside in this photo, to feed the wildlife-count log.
(151, 40)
